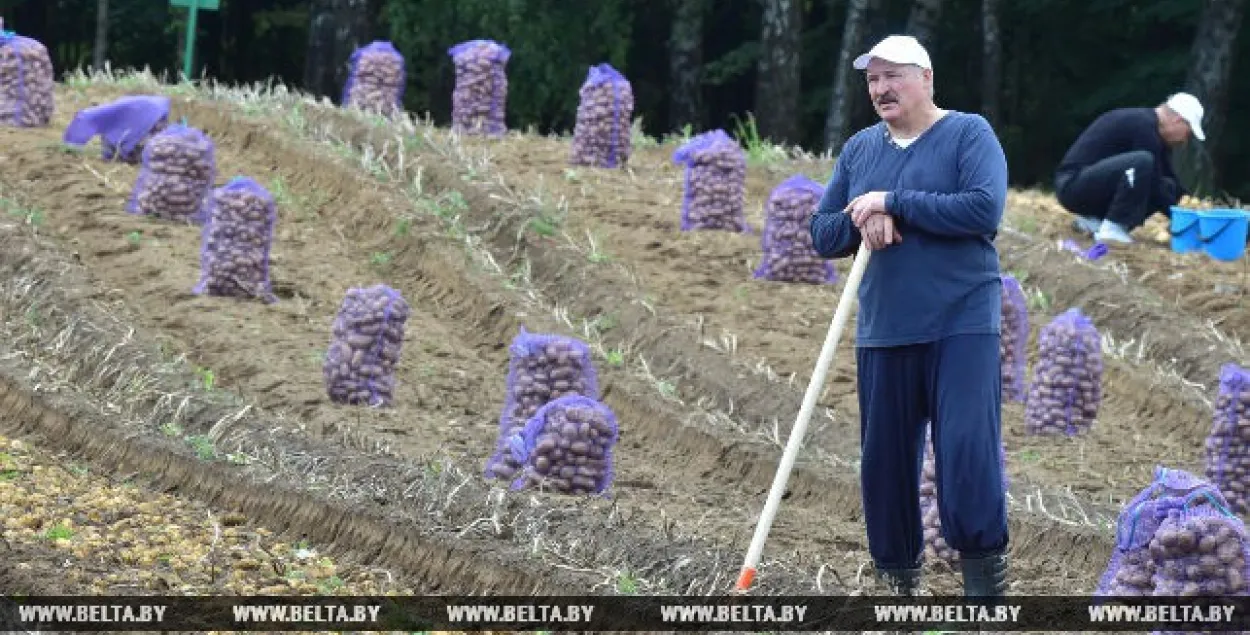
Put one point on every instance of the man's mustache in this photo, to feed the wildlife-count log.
(887, 99)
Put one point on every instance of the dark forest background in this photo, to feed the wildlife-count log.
(1040, 70)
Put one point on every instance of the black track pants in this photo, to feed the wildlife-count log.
(1116, 188)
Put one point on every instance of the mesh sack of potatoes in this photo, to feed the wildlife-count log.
(541, 369)
(27, 80)
(124, 126)
(787, 254)
(1066, 390)
(601, 134)
(366, 339)
(930, 512)
(715, 183)
(1227, 448)
(376, 80)
(176, 177)
(1199, 549)
(1014, 344)
(237, 236)
(566, 447)
(479, 100)
(1130, 570)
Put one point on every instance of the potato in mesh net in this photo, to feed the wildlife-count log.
(376, 80)
(1199, 550)
(1066, 390)
(566, 447)
(601, 133)
(1227, 447)
(237, 237)
(541, 369)
(715, 183)
(479, 100)
(366, 340)
(176, 178)
(27, 82)
(787, 253)
(124, 125)
(1013, 346)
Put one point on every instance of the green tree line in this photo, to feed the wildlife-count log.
(1040, 70)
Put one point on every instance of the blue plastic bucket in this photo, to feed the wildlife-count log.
(1184, 230)
(1223, 233)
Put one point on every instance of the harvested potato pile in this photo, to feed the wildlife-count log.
(179, 166)
(1013, 347)
(125, 126)
(377, 79)
(1228, 445)
(1131, 569)
(367, 337)
(1199, 551)
(479, 100)
(542, 368)
(566, 447)
(601, 134)
(930, 512)
(1067, 384)
(27, 80)
(716, 171)
(234, 259)
(786, 246)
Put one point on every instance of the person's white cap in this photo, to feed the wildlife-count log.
(1190, 109)
(899, 49)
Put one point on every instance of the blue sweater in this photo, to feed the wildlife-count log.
(946, 192)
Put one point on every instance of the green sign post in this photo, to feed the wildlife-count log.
(193, 8)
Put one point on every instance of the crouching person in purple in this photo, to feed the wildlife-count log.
(925, 190)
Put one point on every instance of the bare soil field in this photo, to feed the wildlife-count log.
(222, 401)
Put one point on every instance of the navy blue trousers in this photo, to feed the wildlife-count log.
(957, 384)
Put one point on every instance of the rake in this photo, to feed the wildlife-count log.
(814, 388)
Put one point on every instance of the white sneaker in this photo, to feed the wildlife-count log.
(1112, 231)
(1086, 225)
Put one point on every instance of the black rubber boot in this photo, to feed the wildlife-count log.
(903, 582)
(986, 576)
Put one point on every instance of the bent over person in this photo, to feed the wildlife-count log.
(1119, 171)
(925, 190)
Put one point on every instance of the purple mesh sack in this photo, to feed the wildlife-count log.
(1227, 447)
(566, 447)
(376, 80)
(541, 368)
(786, 245)
(479, 101)
(930, 512)
(715, 183)
(1130, 571)
(124, 126)
(1199, 550)
(366, 339)
(27, 81)
(1013, 347)
(176, 178)
(234, 258)
(601, 134)
(1067, 384)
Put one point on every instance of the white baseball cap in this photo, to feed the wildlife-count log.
(899, 49)
(1190, 109)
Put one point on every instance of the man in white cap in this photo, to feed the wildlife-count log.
(1119, 171)
(925, 189)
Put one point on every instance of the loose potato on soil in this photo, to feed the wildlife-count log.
(478, 102)
(377, 79)
(179, 166)
(786, 246)
(715, 193)
(601, 134)
(542, 368)
(1227, 447)
(367, 338)
(1067, 384)
(27, 82)
(1013, 347)
(566, 447)
(234, 258)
